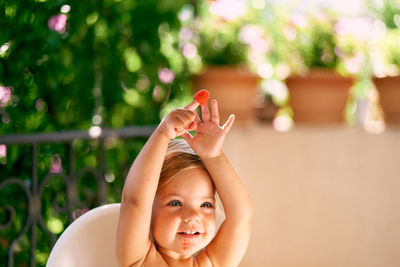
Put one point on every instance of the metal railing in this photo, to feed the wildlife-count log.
(34, 188)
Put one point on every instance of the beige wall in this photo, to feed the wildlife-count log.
(322, 196)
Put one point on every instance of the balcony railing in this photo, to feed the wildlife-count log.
(40, 205)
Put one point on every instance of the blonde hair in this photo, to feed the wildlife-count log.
(180, 157)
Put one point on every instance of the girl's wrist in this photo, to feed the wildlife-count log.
(159, 131)
(211, 158)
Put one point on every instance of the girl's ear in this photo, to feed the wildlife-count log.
(219, 210)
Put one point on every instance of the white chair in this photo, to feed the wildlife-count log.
(89, 241)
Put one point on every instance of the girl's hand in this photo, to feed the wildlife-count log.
(179, 121)
(209, 138)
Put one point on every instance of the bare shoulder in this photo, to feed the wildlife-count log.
(153, 258)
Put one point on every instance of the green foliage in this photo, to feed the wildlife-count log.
(387, 47)
(69, 65)
(317, 46)
(216, 40)
(314, 43)
(219, 42)
(391, 45)
(219, 48)
(388, 12)
(78, 71)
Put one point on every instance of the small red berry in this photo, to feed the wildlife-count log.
(201, 97)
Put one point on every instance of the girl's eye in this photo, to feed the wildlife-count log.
(175, 203)
(206, 205)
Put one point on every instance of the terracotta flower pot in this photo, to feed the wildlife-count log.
(235, 89)
(319, 98)
(389, 91)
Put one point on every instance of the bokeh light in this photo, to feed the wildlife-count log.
(58, 23)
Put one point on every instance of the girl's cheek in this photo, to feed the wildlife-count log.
(210, 217)
(209, 211)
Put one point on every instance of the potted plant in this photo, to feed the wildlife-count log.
(317, 88)
(217, 57)
(388, 85)
(387, 60)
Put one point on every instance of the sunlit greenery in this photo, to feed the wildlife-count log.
(70, 65)
(61, 77)
(388, 12)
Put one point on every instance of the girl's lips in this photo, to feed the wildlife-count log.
(189, 234)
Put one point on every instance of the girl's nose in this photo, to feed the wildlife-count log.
(191, 216)
(191, 220)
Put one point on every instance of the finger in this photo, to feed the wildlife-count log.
(205, 113)
(179, 130)
(186, 116)
(214, 111)
(192, 106)
(228, 124)
(192, 126)
(187, 136)
(197, 119)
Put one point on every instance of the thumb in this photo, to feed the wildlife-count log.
(228, 124)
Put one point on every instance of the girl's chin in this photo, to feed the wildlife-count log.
(182, 248)
(179, 250)
(188, 251)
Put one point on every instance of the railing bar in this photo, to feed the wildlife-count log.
(70, 183)
(34, 219)
(103, 169)
(33, 211)
(69, 136)
(34, 167)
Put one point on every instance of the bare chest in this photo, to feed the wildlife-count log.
(155, 259)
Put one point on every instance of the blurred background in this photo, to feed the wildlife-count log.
(314, 84)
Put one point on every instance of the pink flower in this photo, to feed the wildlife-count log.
(5, 96)
(40, 105)
(229, 10)
(158, 93)
(186, 34)
(254, 36)
(299, 20)
(3, 151)
(166, 75)
(5, 118)
(362, 28)
(250, 33)
(189, 50)
(58, 22)
(56, 164)
(354, 64)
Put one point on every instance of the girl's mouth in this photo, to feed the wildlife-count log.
(189, 234)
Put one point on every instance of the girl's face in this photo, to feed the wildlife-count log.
(183, 219)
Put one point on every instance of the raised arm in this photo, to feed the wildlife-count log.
(230, 243)
(133, 234)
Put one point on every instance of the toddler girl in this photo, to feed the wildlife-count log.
(167, 215)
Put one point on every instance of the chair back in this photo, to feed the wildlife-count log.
(89, 241)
